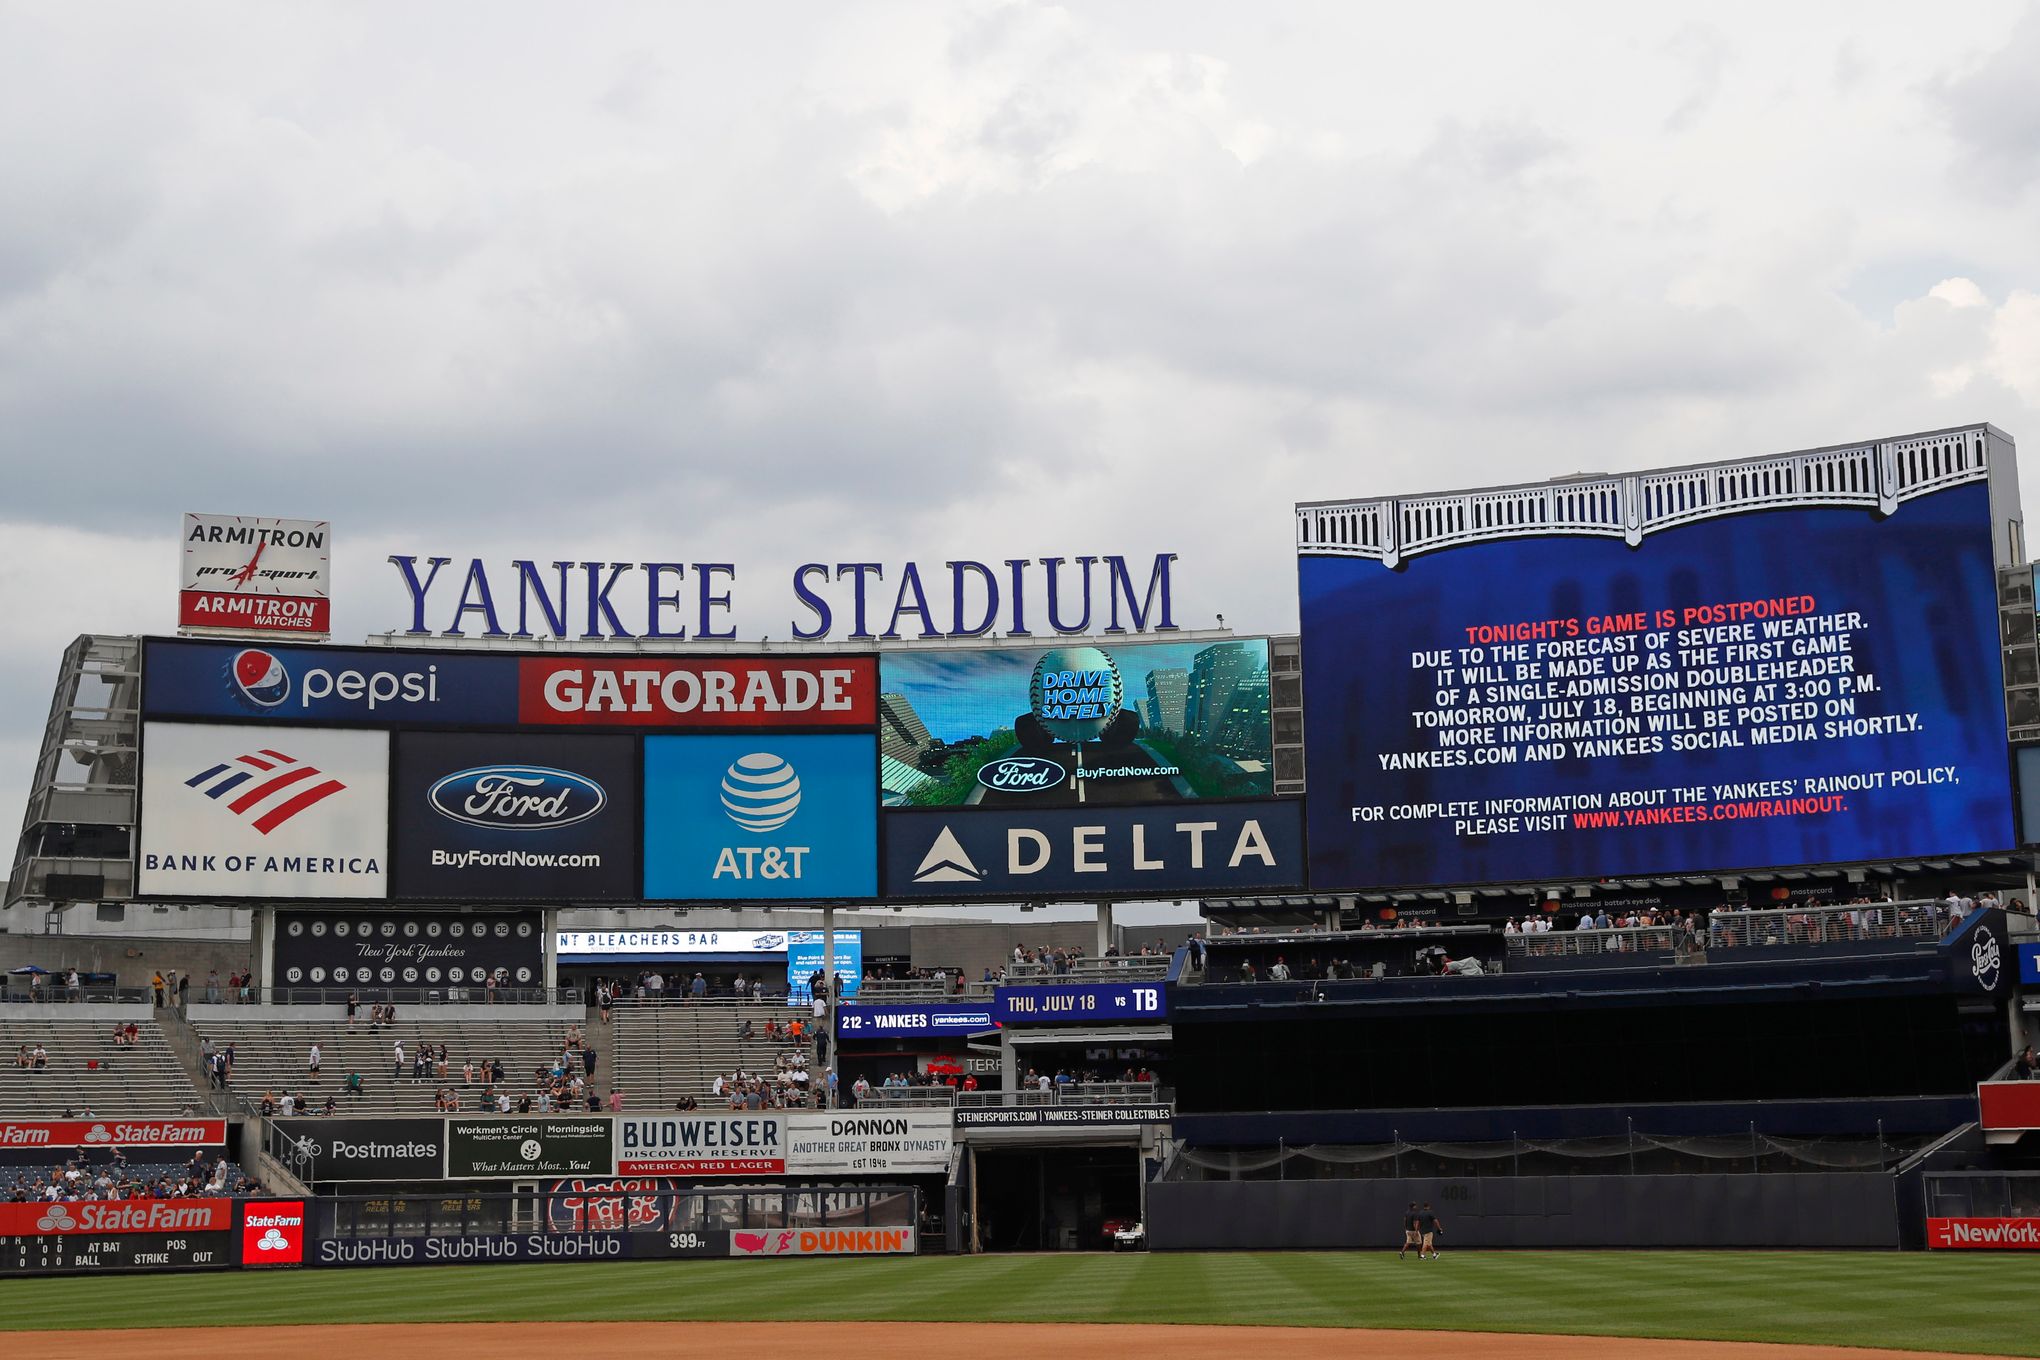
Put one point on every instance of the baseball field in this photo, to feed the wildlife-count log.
(1547, 1303)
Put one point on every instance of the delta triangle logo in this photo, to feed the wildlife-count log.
(945, 862)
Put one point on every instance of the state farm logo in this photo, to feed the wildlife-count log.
(98, 1134)
(259, 678)
(272, 1241)
(269, 787)
(517, 797)
(1985, 959)
(56, 1219)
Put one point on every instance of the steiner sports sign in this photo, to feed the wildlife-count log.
(120, 1133)
(259, 577)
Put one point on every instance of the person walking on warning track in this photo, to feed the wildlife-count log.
(1409, 1231)
(1430, 1227)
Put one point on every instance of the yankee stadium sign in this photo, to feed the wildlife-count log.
(866, 601)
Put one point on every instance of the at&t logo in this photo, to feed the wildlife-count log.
(760, 792)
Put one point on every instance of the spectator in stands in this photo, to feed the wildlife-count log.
(332, 1107)
(354, 1083)
(312, 1061)
(156, 982)
(353, 1005)
(397, 1069)
(1280, 971)
(685, 1104)
(2027, 1067)
(698, 987)
(23, 1059)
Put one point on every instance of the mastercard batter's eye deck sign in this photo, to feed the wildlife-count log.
(516, 817)
(229, 812)
(760, 816)
(1033, 728)
(261, 576)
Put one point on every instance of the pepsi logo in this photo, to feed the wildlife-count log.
(1021, 774)
(761, 792)
(260, 678)
(517, 797)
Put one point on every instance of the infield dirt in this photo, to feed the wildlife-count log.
(898, 1341)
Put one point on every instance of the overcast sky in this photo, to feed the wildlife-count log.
(757, 284)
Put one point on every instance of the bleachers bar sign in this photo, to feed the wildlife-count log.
(112, 1133)
(141, 1234)
(501, 1148)
(255, 577)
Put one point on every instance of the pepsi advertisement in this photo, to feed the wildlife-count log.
(515, 817)
(1795, 686)
(327, 685)
(760, 816)
(1138, 723)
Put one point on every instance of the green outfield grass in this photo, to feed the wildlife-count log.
(1982, 1303)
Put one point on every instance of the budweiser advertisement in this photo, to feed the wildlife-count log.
(702, 1145)
(785, 693)
(116, 1216)
(1984, 1234)
(122, 1133)
(823, 1242)
(252, 576)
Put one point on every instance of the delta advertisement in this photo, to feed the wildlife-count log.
(515, 817)
(244, 574)
(1030, 728)
(1176, 850)
(235, 812)
(740, 818)
(1798, 686)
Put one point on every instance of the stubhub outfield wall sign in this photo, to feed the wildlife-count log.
(760, 816)
(1105, 851)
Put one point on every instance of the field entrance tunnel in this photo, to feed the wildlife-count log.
(1055, 1198)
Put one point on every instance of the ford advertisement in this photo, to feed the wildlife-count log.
(515, 817)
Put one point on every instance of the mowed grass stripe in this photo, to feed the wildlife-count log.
(1922, 1302)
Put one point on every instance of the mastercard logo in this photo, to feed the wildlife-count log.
(261, 678)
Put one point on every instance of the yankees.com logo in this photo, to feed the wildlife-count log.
(1985, 959)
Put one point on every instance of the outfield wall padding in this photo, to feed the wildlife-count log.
(1807, 1209)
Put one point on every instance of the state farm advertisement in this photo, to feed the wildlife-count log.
(247, 575)
(698, 692)
(702, 1145)
(1984, 1234)
(117, 1216)
(122, 1133)
(273, 1233)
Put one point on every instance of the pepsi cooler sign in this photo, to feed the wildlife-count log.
(515, 817)
(183, 679)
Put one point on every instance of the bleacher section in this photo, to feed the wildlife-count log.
(145, 1080)
(270, 1053)
(124, 1180)
(666, 1050)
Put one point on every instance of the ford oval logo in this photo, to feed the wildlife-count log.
(517, 797)
(1020, 774)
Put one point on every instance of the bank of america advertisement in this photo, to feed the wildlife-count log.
(297, 812)
(1064, 725)
(506, 817)
(759, 816)
(1803, 685)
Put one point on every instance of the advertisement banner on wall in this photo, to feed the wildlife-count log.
(804, 960)
(330, 685)
(885, 1022)
(500, 1148)
(760, 816)
(519, 816)
(409, 949)
(1983, 1234)
(701, 693)
(360, 1149)
(1094, 852)
(97, 1216)
(1080, 1003)
(248, 575)
(607, 1204)
(240, 812)
(701, 1145)
(1135, 722)
(845, 1142)
(590, 946)
(272, 1232)
(1737, 690)
(823, 1242)
(120, 1133)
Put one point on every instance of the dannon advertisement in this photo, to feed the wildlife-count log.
(246, 574)
(1136, 722)
(853, 1142)
(273, 813)
(1803, 685)
(516, 817)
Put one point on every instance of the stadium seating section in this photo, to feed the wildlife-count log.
(667, 1050)
(87, 1071)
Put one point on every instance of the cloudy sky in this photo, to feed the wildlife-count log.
(763, 283)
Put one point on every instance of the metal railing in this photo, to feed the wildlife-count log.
(1729, 930)
(1068, 1093)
